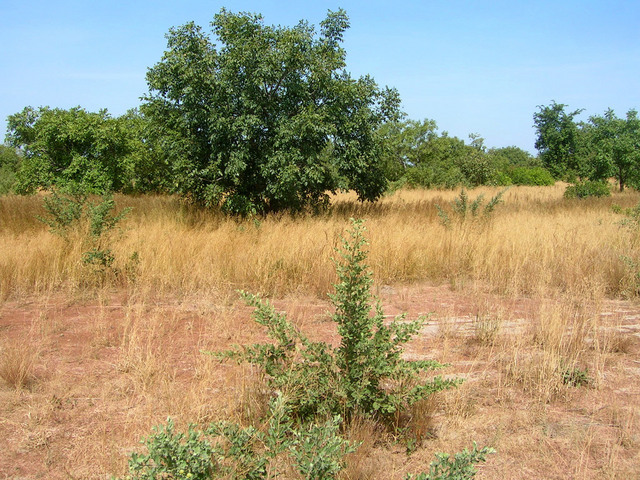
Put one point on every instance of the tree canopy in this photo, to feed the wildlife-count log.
(615, 147)
(9, 165)
(266, 118)
(558, 140)
(420, 156)
(90, 151)
(606, 146)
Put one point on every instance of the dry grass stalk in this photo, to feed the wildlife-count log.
(17, 364)
(362, 464)
(536, 243)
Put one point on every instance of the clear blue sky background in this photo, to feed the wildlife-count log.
(472, 66)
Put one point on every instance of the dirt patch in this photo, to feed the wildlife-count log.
(106, 370)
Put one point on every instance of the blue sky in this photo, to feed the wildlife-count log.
(472, 66)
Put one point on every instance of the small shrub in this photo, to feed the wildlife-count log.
(73, 213)
(486, 328)
(588, 189)
(632, 216)
(576, 377)
(369, 355)
(132, 267)
(228, 450)
(319, 450)
(631, 221)
(464, 208)
(102, 218)
(445, 220)
(365, 374)
(65, 211)
(460, 467)
(173, 455)
(73, 210)
(100, 260)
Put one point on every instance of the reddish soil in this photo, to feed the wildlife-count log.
(80, 414)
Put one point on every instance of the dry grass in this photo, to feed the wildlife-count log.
(515, 303)
(537, 243)
(362, 464)
(17, 364)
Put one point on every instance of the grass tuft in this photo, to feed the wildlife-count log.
(17, 365)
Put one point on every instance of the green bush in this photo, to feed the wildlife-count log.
(92, 150)
(316, 387)
(365, 374)
(460, 467)
(632, 216)
(9, 164)
(534, 176)
(434, 176)
(502, 179)
(72, 211)
(228, 450)
(173, 455)
(576, 377)
(588, 188)
(463, 208)
(477, 168)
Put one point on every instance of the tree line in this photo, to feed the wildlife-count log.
(255, 118)
(605, 146)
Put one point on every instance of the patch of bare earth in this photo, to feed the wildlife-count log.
(102, 372)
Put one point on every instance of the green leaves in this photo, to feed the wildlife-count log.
(10, 162)
(173, 455)
(228, 450)
(604, 147)
(459, 467)
(615, 147)
(87, 151)
(559, 140)
(370, 353)
(267, 119)
(588, 188)
(416, 154)
(364, 375)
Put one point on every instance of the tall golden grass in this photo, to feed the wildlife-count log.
(535, 242)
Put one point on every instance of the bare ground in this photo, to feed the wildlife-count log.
(104, 370)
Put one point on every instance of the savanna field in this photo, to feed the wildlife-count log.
(533, 304)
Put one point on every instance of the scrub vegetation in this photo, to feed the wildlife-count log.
(479, 315)
(533, 307)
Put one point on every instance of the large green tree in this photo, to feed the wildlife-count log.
(615, 147)
(266, 118)
(90, 151)
(559, 140)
